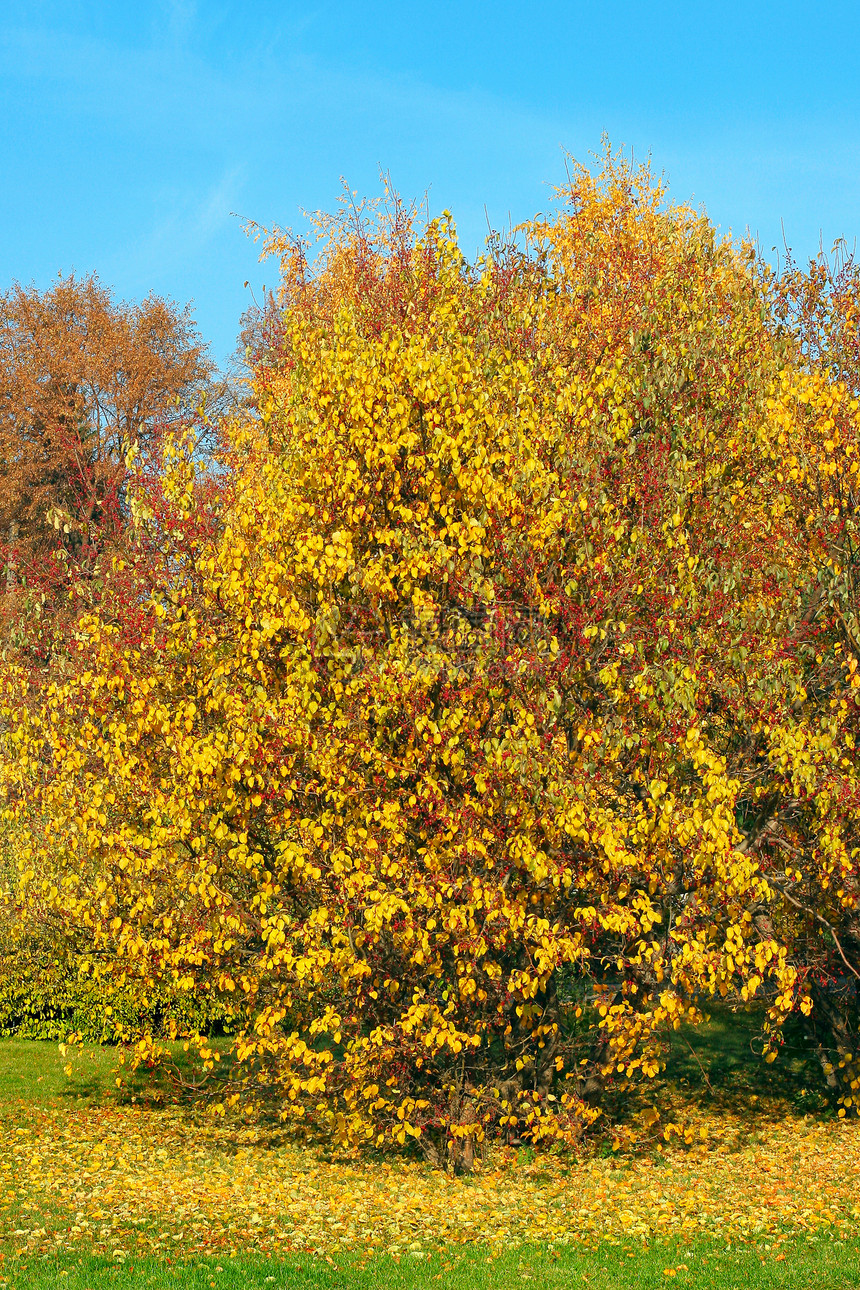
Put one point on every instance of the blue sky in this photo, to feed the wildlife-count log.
(130, 131)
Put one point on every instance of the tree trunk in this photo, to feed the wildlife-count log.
(831, 1030)
(12, 562)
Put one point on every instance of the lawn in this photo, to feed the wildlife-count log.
(116, 1187)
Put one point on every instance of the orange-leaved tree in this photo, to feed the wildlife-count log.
(84, 379)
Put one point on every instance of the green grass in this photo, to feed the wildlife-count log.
(719, 1063)
(819, 1263)
(716, 1063)
(32, 1070)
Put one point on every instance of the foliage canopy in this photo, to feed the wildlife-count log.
(493, 706)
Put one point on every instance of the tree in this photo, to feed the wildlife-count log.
(434, 731)
(803, 794)
(84, 380)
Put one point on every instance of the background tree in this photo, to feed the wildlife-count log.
(84, 379)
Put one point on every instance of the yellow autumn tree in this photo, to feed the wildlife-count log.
(428, 733)
(803, 795)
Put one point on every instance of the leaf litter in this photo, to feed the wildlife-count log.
(132, 1182)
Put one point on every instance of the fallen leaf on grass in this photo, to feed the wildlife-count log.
(122, 1180)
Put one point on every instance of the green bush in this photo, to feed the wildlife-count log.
(48, 995)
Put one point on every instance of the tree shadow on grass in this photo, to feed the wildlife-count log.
(719, 1066)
